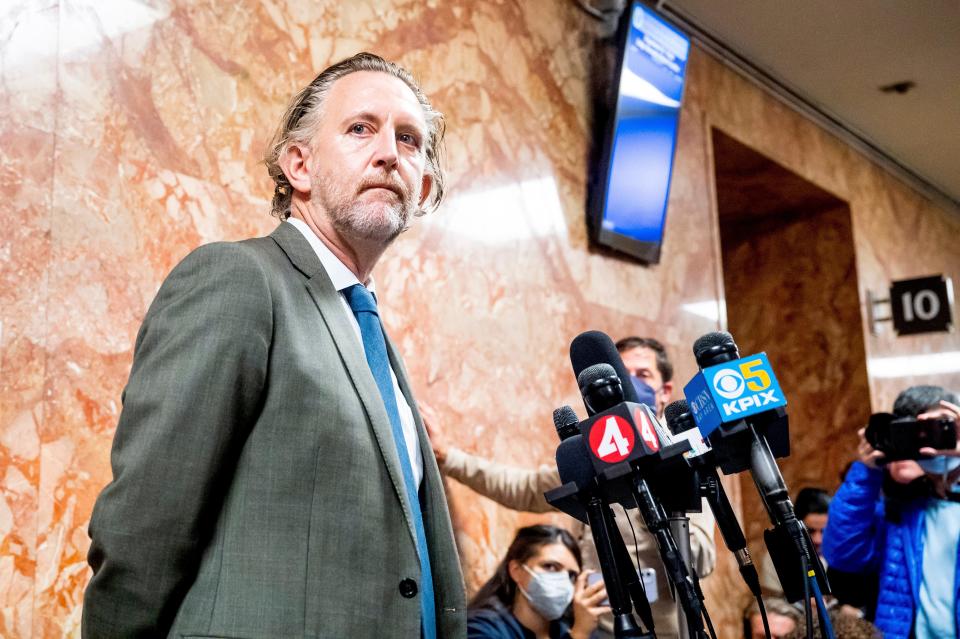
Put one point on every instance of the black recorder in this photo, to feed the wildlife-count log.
(902, 437)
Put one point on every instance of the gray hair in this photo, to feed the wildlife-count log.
(919, 399)
(300, 121)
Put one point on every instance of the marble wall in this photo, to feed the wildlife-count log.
(132, 133)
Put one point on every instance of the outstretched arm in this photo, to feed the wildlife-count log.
(510, 486)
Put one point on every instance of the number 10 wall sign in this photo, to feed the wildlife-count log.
(922, 305)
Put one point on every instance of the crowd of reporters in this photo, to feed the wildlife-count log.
(888, 537)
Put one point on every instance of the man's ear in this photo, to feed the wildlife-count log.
(296, 164)
(667, 390)
(425, 185)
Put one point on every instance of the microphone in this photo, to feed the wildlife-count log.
(617, 432)
(736, 402)
(598, 368)
(600, 387)
(619, 576)
(680, 421)
(729, 389)
(595, 347)
(573, 463)
(566, 422)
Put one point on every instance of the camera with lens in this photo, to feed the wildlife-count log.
(903, 437)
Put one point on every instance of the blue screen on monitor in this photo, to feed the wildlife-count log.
(644, 131)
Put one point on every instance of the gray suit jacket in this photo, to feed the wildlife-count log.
(257, 490)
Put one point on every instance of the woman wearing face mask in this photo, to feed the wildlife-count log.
(533, 589)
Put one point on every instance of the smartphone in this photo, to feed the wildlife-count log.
(649, 578)
(593, 578)
(647, 575)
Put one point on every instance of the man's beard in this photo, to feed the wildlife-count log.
(373, 220)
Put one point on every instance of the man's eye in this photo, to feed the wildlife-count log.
(407, 138)
(358, 128)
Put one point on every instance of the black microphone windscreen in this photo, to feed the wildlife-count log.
(676, 409)
(573, 462)
(678, 417)
(565, 421)
(595, 347)
(592, 373)
(710, 340)
(714, 348)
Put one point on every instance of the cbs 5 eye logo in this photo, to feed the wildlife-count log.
(731, 384)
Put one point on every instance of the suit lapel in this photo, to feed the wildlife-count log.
(331, 309)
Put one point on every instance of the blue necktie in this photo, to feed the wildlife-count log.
(364, 308)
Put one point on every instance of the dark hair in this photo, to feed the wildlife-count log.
(811, 501)
(663, 362)
(919, 399)
(500, 589)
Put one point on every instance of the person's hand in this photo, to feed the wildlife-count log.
(869, 455)
(947, 410)
(438, 439)
(586, 606)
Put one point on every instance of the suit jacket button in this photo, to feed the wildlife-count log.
(408, 588)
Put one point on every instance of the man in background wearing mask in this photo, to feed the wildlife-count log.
(913, 546)
(522, 489)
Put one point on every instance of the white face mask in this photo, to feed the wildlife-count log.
(549, 593)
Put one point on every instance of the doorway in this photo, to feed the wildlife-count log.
(790, 281)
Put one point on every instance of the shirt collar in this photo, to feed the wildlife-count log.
(341, 276)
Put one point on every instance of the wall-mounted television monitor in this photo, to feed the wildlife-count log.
(629, 201)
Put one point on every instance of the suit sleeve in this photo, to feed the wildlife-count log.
(199, 367)
(515, 488)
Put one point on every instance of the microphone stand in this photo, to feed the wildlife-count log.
(605, 539)
(680, 529)
(656, 521)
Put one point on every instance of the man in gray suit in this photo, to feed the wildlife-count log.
(272, 476)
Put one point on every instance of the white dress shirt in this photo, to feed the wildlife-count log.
(343, 278)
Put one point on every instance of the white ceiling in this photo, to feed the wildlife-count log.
(836, 54)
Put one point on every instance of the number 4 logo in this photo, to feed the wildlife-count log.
(646, 430)
(612, 439)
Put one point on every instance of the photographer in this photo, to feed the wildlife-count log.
(912, 542)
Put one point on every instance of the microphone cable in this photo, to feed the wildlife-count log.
(703, 604)
(636, 544)
(763, 618)
(807, 610)
(826, 627)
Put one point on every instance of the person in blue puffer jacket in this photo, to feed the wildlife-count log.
(913, 544)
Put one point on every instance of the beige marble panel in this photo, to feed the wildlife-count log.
(27, 102)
